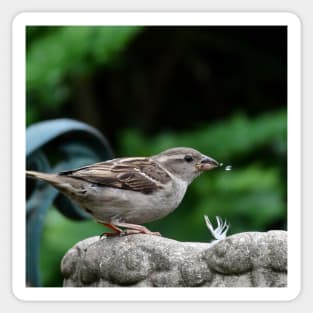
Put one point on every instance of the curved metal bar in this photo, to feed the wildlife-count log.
(39, 134)
(53, 146)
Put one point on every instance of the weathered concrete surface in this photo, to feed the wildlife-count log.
(243, 260)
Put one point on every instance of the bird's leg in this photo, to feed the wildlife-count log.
(116, 230)
(134, 228)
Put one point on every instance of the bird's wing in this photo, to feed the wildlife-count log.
(137, 174)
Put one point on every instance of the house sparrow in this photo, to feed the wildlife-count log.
(127, 192)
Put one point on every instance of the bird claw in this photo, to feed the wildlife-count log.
(136, 231)
(127, 232)
(106, 234)
(220, 232)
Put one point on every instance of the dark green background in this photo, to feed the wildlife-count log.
(221, 90)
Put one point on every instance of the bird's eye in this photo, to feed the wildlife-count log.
(188, 158)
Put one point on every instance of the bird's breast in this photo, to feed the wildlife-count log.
(136, 207)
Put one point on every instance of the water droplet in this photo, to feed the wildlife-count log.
(228, 168)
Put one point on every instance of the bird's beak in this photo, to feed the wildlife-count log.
(206, 164)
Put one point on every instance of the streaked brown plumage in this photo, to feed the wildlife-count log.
(126, 192)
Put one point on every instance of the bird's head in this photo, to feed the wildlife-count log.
(185, 163)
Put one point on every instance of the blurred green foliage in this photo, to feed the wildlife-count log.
(62, 52)
(150, 89)
(234, 137)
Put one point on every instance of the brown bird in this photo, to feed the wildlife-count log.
(128, 192)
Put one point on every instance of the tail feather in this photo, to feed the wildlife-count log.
(50, 178)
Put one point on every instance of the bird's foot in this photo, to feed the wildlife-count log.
(116, 231)
(137, 229)
(131, 229)
(112, 234)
